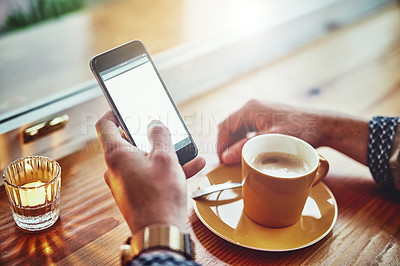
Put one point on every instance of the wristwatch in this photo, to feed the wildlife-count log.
(160, 236)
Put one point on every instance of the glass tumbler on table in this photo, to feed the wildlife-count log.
(33, 186)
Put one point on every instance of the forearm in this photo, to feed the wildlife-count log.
(351, 135)
(346, 134)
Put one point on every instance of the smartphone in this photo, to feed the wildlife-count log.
(137, 95)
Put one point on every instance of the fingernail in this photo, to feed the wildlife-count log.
(153, 123)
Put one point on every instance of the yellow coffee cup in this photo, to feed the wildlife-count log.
(278, 172)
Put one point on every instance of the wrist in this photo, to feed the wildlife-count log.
(326, 125)
(151, 215)
(139, 223)
(157, 207)
(346, 134)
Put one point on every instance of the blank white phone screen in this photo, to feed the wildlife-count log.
(139, 96)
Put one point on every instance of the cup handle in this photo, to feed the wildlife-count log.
(322, 171)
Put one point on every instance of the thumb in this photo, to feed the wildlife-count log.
(159, 137)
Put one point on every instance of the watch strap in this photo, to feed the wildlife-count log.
(166, 237)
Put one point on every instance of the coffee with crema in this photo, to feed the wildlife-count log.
(278, 173)
(280, 164)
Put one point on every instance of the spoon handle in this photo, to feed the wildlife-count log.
(213, 188)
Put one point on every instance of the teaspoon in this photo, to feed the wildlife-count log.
(213, 188)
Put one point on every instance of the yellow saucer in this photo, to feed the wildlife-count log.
(222, 212)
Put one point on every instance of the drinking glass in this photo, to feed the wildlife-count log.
(33, 187)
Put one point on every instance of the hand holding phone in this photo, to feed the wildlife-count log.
(137, 95)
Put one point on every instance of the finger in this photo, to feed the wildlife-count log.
(107, 177)
(233, 154)
(193, 167)
(234, 128)
(159, 137)
(231, 130)
(107, 131)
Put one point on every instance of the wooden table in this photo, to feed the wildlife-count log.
(355, 69)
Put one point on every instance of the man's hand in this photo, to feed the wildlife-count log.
(149, 188)
(345, 133)
(259, 118)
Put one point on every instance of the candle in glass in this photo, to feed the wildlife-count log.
(35, 194)
(33, 187)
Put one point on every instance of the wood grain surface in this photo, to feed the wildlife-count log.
(355, 69)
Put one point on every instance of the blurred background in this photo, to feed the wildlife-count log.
(334, 54)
